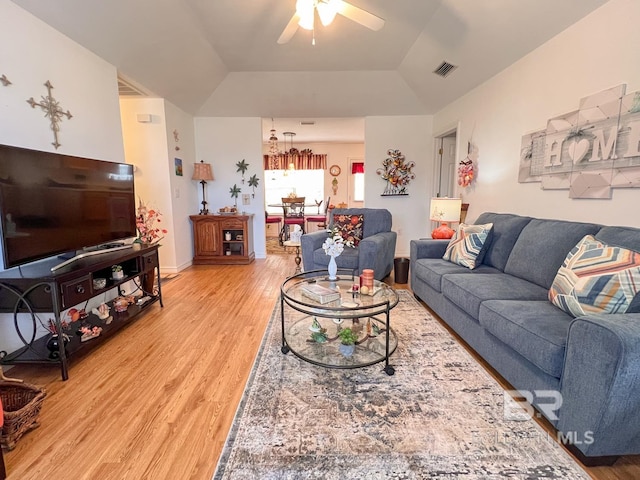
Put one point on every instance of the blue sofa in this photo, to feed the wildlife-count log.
(376, 250)
(501, 310)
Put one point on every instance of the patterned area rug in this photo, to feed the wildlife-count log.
(439, 417)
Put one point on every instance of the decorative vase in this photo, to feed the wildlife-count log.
(53, 345)
(333, 269)
(347, 350)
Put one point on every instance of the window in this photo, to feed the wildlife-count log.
(304, 183)
(357, 171)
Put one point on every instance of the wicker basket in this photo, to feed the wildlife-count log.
(21, 404)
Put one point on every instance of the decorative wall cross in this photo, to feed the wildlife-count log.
(52, 109)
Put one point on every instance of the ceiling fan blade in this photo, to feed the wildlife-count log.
(360, 16)
(289, 30)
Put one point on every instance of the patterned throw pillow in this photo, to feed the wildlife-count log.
(597, 278)
(350, 227)
(466, 245)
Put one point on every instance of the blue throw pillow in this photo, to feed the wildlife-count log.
(466, 246)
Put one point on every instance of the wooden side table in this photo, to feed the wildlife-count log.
(296, 245)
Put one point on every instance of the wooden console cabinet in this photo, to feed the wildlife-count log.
(223, 239)
(35, 292)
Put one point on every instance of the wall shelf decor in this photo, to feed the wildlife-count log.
(397, 173)
(589, 151)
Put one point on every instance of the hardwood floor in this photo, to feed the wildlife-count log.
(156, 401)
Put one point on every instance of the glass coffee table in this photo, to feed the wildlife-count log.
(315, 310)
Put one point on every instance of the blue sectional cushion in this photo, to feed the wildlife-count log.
(535, 329)
(466, 246)
(347, 259)
(542, 247)
(505, 231)
(625, 237)
(597, 278)
(468, 291)
(431, 270)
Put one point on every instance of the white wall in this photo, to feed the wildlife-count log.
(596, 53)
(150, 146)
(183, 191)
(223, 142)
(412, 135)
(31, 53)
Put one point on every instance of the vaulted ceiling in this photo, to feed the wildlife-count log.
(220, 57)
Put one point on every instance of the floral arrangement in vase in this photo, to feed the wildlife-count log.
(333, 246)
(147, 223)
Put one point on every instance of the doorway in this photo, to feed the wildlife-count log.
(445, 164)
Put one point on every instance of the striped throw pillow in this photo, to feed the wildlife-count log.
(466, 245)
(597, 278)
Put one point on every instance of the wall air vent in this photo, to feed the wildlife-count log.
(445, 69)
(126, 89)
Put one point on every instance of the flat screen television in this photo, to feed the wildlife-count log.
(52, 204)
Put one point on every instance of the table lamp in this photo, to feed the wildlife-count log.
(444, 210)
(203, 172)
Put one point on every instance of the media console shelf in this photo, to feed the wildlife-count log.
(36, 293)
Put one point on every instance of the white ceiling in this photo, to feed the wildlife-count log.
(220, 57)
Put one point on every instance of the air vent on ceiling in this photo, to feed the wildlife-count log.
(126, 89)
(444, 69)
(307, 122)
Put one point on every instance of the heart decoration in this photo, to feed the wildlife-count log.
(578, 149)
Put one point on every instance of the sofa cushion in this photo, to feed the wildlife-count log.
(349, 227)
(625, 237)
(468, 291)
(348, 259)
(535, 329)
(466, 246)
(597, 278)
(505, 231)
(431, 270)
(542, 247)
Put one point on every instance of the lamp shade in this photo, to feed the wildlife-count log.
(445, 209)
(202, 171)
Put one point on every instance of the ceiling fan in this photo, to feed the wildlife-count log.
(327, 10)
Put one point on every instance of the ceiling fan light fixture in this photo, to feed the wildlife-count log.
(306, 14)
(327, 11)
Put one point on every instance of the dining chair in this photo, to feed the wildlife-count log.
(273, 219)
(293, 214)
(320, 220)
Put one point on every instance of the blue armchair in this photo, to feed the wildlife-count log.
(376, 249)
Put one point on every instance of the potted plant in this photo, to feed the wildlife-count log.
(348, 339)
(116, 272)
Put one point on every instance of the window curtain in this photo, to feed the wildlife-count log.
(357, 167)
(300, 161)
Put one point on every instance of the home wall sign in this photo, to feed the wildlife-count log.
(396, 172)
(589, 151)
(52, 109)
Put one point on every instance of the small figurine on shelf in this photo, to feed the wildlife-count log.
(102, 312)
(120, 304)
(88, 331)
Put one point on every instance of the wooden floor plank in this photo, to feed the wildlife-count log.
(157, 400)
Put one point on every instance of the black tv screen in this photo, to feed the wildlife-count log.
(52, 204)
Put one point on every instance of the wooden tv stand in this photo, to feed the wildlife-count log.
(36, 292)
